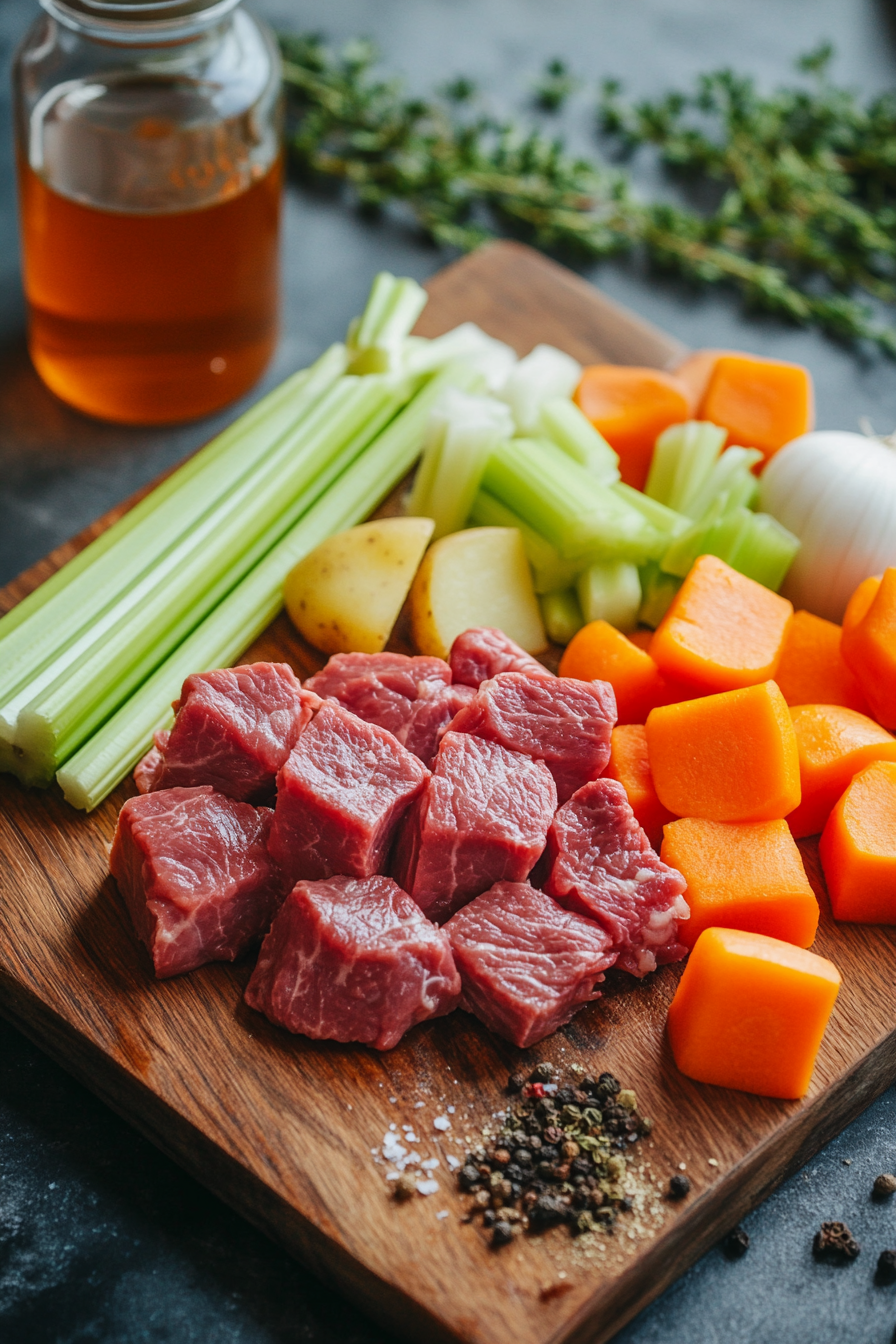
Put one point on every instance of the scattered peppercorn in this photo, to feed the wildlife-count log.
(884, 1186)
(735, 1244)
(834, 1244)
(679, 1186)
(516, 1082)
(502, 1233)
(405, 1186)
(542, 1073)
(886, 1268)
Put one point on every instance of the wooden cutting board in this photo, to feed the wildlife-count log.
(282, 1128)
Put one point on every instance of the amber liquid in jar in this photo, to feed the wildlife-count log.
(142, 312)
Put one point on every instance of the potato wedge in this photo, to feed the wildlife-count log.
(345, 596)
(477, 577)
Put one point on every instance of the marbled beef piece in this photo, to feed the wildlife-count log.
(526, 964)
(411, 697)
(351, 959)
(195, 873)
(233, 729)
(483, 816)
(482, 652)
(602, 866)
(340, 796)
(564, 722)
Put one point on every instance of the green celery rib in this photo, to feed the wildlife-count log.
(562, 614)
(550, 571)
(53, 723)
(752, 543)
(657, 591)
(665, 521)
(104, 760)
(573, 511)
(102, 574)
(682, 461)
(564, 424)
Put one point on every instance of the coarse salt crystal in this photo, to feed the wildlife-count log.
(442, 1123)
(393, 1126)
(452, 1162)
(418, 1105)
(427, 1187)
(682, 1166)
(712, 1161)
(550, 1088)
(411, 1137)
(451, 1109)
(393, 1100)
(442, 1213)
(392, 1175)
(430, 1164)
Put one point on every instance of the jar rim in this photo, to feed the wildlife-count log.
(138, 22)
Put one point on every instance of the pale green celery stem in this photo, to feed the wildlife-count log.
(560, 500)
(549, 570)
(94, 771)
(53, 724)
(731, 476)
(611, 591)
(658, 590)
(106, 570)
(452, 467)
(752, 543)
(564, 424)
(666, 522)
(561, 612)
(682, 460)
(392, 309)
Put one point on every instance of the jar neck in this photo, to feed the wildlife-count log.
(144, 23)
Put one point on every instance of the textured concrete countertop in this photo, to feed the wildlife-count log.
(101, 1238)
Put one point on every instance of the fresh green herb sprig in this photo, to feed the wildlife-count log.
(804, 229)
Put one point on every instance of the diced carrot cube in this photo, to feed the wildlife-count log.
(695, 371)
(834, 745)
(869, 647)
(812, 670)
(858, 848)
(763, 403)
(599, 651)
(750, 1013)
(630, 764)
(631, 407)
(748, 876)
(722, 630)
(858, 604)
(728, 757)
(641, 637)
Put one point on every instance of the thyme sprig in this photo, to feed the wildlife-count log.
(804, 228)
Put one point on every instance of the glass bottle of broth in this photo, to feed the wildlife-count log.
(149, 161)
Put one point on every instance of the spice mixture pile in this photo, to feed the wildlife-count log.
(558, 1158)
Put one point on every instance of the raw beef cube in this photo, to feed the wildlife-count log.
(340, 796)
(601, 866)
(412, 697)
(526, 964)
(233, 729)
(564, 722)
(148, 770)
(353, 959)
(195, 873)
(483, 816)
(481, 653)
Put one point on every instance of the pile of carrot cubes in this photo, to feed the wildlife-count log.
(744, 727)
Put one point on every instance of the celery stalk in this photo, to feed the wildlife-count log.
(392, 309)
(561, 612)
(666, 522)
(610, 591)
(104, 760)
(462, 432)
(731, 478)
(563, 423)
(549, 570)
(657, 591)
(682, 461)
(752, 543)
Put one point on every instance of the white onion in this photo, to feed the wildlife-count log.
(836, 491)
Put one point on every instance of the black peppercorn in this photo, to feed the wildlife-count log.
(884, 1186)
(834, 1244)
(581, 1166)
(547, 1211)
(513, 1172)
(502, 1233)
(607, 1085)
(522, 1157)
(516, 1082)
(468, 1177)
(735, 1244)
(542, 1073)
(679, 1186)
(886, 1268)
(488, 1218)
(625, 1204)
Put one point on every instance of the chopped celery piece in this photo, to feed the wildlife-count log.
(559, 499)
(561, 612)
(682, 460)
(563, 423)
(493, 359)
(666, 521)
(549, 570)
(104, 760)
(544, 373)
(610, 591)
(376, 338)
(731, 479)
(657, 592)
(754, 544)
(85, 684)
(462, 432)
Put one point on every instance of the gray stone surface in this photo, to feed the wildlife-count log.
(101, 1238)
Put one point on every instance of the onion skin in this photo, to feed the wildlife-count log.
(836, 491)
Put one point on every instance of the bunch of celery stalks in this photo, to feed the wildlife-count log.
(91, 661)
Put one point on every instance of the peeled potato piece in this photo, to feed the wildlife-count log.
(345, 596)
(477, 577)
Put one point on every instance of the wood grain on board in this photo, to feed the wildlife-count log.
(282, 1128)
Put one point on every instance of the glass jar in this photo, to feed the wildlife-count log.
(150, 168)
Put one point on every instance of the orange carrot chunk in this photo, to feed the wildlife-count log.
(599, 651)
(750, 1012)
(812, 670)
(834, 744)
(869, 648)
(858, 604)
(630, 764)
(747, 876)
(763, 403)
(631, 407)
(695, 371)
(641, 637)
(722, 630)
(858, 848)
(728, 757)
